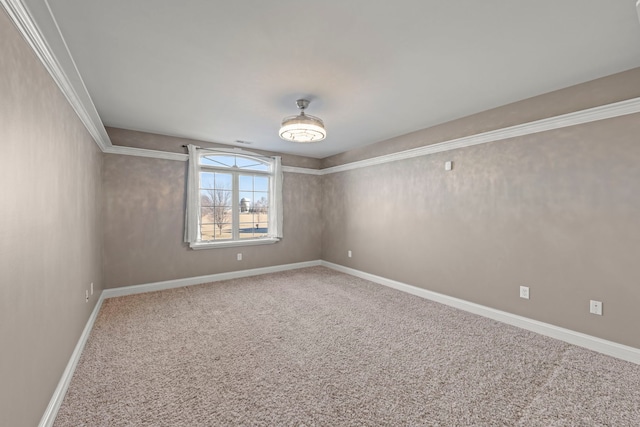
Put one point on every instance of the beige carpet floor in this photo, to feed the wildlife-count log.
(318, 347)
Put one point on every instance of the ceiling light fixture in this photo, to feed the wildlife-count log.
(302, 128)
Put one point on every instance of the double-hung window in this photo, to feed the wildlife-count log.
(234, 199)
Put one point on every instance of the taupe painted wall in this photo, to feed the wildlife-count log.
(557, 211)
(617, 87)
(144, 225)
(50, 239)
(173, 144)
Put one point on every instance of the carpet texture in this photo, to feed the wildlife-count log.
(318, 347)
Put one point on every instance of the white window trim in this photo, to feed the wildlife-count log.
(192, 217)
(233, 243)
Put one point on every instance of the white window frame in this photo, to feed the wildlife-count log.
(193, 217)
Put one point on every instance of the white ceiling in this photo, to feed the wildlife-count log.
(231, 70)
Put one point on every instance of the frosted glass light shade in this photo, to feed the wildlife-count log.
(302, 128)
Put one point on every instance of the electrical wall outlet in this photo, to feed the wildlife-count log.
(239, 257)
(349, 254)
(524, 292)
(91, 288)
(595, 307)
(448, 166)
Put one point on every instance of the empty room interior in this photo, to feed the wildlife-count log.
(340, 213)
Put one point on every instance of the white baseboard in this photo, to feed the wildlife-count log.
(50, 413)
(610, 348)
(178, 283)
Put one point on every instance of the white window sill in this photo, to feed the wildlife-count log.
(233, 243)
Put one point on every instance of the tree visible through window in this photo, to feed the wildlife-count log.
(234, 197)
(216, 212)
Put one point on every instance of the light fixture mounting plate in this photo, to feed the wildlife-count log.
(302, 103)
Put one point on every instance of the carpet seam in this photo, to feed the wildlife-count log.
(552, 375)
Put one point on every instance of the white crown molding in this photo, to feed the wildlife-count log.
(306, 171)
(602, 112)
(71, 86)
(49, 416)
(141, 152)
(608, 111)
(609, 348)
(165, 155)
(40, 37)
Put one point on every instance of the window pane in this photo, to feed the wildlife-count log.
(221, 213)
(223, 231)
(246, 195)
(261, 183)
(254, 224)
(250, 230)
(246, 182)
(205, 198)
(222, 198)
(207, 232)
(210, 180)
(219, 231)
(215, 198)
(223, 180)
(246, 230)
(218, 196)
(215, 214)
(217, 160)
(231, 160)
(246, 223)
(206, 216)
(206, 179)
(251, 164)
(245, 202)
(261, 199)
